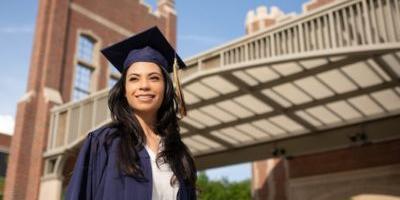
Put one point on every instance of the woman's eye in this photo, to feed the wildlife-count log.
(155, 78)
(133, 79)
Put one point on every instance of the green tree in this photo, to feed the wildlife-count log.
(222, 189)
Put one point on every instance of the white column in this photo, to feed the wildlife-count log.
(50, 187)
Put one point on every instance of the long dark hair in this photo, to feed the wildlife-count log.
(175, 152)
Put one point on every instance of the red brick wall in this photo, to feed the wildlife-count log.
(268, 22)
(255, 26)
(140, 21)
(5, 141)
(52, 66)
(373, 155)
(20, 152)
(259, 179)
(352, 158)
(269, 179)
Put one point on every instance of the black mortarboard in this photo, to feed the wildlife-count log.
(149, 45)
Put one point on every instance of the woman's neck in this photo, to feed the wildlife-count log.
(147, 123)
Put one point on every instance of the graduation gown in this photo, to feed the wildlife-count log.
(97, 177)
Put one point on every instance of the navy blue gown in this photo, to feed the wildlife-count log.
(97, 177)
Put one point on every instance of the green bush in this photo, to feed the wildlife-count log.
(222, 189)
(2, 179)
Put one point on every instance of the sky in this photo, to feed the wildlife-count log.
(202, 25)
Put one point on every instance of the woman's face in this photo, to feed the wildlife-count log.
(144, 87)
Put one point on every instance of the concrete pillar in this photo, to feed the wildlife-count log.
(270, 179)
(50, 187)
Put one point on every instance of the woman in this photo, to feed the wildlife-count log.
(140, 154)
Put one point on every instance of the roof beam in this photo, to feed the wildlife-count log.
(244, 88)
(386, 68)
(347, 95)
(377, 130)
(292, 109)
(290, 78)
(192, 131)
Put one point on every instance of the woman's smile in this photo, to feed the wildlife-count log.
(145, 97)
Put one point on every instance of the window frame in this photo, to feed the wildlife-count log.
(93, 65)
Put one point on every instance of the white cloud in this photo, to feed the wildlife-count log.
(17, 29)
(7, 124)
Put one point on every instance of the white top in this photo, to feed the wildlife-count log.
(162, 189)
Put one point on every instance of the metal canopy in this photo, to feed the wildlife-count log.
(252, 105)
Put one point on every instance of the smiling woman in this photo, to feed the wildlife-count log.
(140, 155)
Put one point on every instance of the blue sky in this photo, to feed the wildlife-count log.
(202, 24)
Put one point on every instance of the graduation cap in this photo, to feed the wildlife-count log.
(148, 46)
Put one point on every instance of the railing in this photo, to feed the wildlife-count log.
(72, 121)
(344, 24)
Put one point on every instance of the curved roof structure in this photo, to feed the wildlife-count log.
(327, 79)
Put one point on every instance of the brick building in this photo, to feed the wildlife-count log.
(262, 18)
(66, 66)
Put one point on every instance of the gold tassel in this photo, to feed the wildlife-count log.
(178, 90)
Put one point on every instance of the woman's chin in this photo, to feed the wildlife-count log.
(145, 109)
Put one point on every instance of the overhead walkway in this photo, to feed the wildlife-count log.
(324, 80)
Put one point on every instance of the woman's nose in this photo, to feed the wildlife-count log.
(144, 84)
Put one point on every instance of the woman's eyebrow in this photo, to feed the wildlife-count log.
(133, 74)
(157, 73)
(149, 74)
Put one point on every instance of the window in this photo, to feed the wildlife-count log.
(3, 164)
(85, 49)
(114, 75)
(83, 78)
(85, 66)
(113, 69)
(112, 81)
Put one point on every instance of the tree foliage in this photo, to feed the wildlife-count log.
(222, 189)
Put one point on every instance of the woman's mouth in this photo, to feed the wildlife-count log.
(145, 97)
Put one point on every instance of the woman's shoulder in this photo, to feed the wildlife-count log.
(103, 133)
